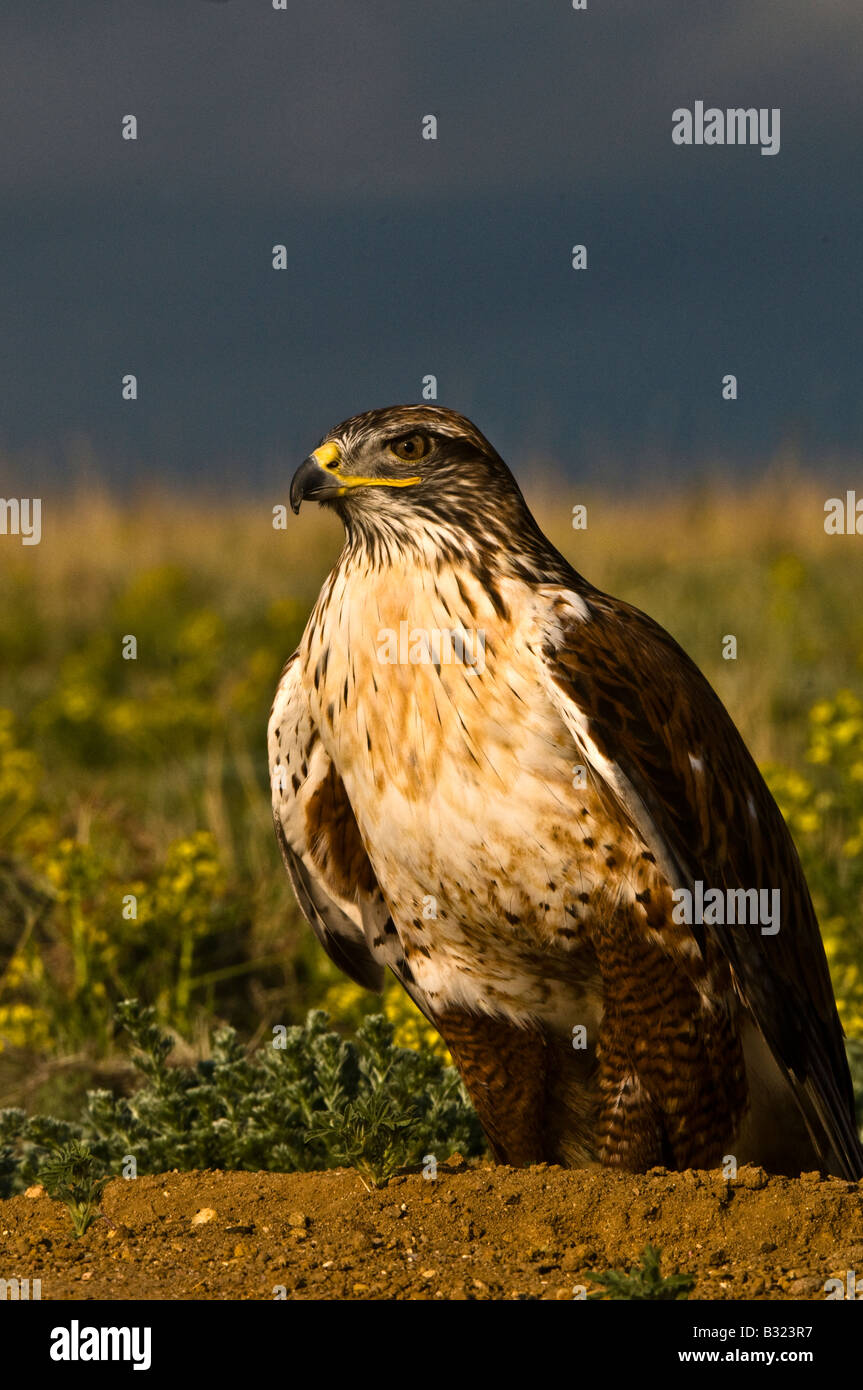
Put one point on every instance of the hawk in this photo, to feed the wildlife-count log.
(501, 784)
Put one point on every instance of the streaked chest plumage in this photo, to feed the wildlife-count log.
(489, 845)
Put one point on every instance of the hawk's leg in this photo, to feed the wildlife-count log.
(671, 1076)
(504, 1070)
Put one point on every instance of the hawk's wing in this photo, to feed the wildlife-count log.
(319, 839)
(323, 850)
(663, 748)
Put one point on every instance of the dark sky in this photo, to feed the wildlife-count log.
(408, 256)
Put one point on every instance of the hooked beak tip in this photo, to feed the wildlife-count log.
(305, 483)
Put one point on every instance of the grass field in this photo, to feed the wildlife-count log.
(136, 848)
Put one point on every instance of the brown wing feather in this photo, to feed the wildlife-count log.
(646, 708)
(319, 839)
(323, 850)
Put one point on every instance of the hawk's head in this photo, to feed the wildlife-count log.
(369, 460)
(417, 474)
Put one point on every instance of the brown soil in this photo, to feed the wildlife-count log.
(473, 1232)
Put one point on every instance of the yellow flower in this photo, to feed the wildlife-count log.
(412, 1029)
(818, 753)
(22, 1026)
(822, 712)
(201, 634)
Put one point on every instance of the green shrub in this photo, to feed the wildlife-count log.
(309, 1100)
(643, 1282)
(72, 1176)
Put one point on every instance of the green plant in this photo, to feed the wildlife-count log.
(643, 1282)
(369, 1135)
(308, 1100)
(73, 1176)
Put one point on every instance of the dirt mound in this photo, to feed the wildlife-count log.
(475, 1231)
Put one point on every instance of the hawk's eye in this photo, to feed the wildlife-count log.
(410, 448)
